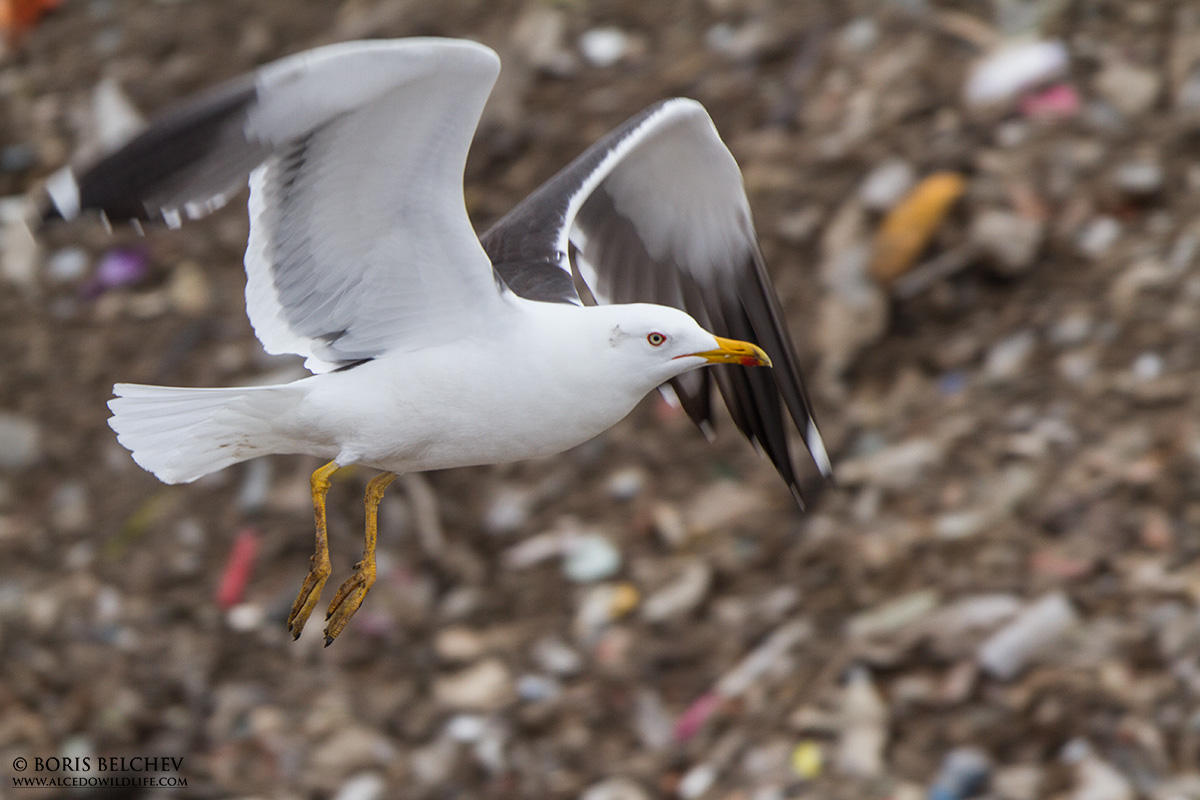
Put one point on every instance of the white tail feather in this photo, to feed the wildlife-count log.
(183, 434)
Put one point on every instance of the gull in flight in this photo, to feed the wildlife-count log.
(433, 347)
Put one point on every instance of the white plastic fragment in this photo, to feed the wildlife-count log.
(963, 772)
(364, 786)
(245, 617)
(1035, 631)
(615, 788)
(1003, 74)
(603, 47)
(19, 250)
(697, 780)
(20, 441)
(67, 265)
(591, 557)
(1095, 778)
(885, 185)
(864, 720)
(1097, 237)
(508, 510)
(762, 658)
(681, 595)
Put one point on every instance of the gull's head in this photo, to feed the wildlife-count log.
(662, 342)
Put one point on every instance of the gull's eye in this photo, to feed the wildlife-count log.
(656, 338)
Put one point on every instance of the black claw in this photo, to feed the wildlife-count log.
(328, 641)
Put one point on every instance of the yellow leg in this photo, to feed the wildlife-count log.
(351, 593)
(319, 567)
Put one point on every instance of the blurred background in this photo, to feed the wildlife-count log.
(982, 220)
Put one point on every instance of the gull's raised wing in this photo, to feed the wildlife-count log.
(359, 236)
(656, 212)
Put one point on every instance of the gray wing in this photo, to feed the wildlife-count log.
(359, 235)
(656, 212)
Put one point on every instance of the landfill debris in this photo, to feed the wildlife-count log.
(1006, 72)
(1035, 632)
(591, 557)
(604, 47)
(1011, 419)
(238, 568)
(484, 686)
(911, 224)
(863, 718)
(964, 771)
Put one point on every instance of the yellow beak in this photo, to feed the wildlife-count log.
(731, 351)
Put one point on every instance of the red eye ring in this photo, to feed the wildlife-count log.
(655, 339)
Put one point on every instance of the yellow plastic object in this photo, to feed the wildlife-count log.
(807, 760)
(625, 599)
(907, 229)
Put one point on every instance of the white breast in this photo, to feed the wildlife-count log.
(529, 391)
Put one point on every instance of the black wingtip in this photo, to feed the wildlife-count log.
(798, 496)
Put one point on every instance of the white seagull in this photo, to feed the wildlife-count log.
(432, 347)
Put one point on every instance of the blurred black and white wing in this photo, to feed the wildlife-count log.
(359, 236)
(656, 212)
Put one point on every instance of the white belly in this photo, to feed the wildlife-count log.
(442, 407)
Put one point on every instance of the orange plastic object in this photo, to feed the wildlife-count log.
(17, 17)
(909, 226)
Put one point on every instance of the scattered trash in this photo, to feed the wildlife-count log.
(807, 761)
(963, 774)
(19, 17)
(617, 788)
(893, 615)
(1130, 88)
(485, 686)
(1095, 778)
(1097, 237)
(245, 617)
(603, 604)
(1007, 359)
(887, 184)
(603, 47)
(1036, 631)
(116, 269)
(1005, 73)
(20, 442)
(19, 250)
(1010, 241)
(626, 484)
(910, 226)
(364, 786)
(238, 568)
(508, 511)
(863, 719)
(591, 557)
(696, 715)
(1012, 418)
(67, 265)
(680, 596)
(1053, 104)
(697, 780)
